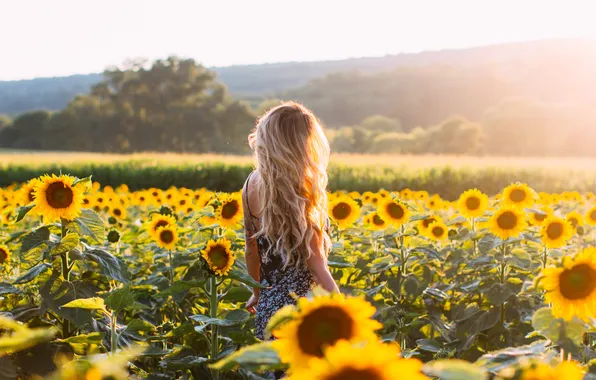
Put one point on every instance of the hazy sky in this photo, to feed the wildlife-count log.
(62, 37)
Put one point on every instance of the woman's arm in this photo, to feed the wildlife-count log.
(317, 263)
(251, 254)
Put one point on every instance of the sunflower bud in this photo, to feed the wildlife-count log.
(113, 236)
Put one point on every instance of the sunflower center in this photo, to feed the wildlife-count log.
(182, 202)
(472, 203)
(539, 217)
(58, 195)
(229, 210)
(578, 282)
(3, 256)
(426, 222)
(377, 221)
(323, 327)
(117, 212)
(341, 211)
(574, 222)
(350, 373)
(507, 220)
(396, 211)
(161, 223)
(518, 195)
(166, 236)
(438, 231)
(554, 230)
(219, 257)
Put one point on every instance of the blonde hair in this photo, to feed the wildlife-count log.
(292, 155)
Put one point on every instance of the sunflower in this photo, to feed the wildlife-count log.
(437, 231)
(27, 192)
(507, 222)
(370, 361)
(321, 322)
(518, 195)
(434, 203)
(375, 222)
(425, 223)
(555, 232)
(4, 255)
(354, 195)
(538, 216)
(366, 198)
(229, 212)
(166, 237)
(57, 198)
(591, 216)
(344, 211)
(118, 212)
(219, 256)
(406, 194)
(472, 203)
(572, 289)
(575, 218)
(393, 212)
(157, 221)
(567, 370)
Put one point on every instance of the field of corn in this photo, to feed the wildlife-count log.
(102, 281)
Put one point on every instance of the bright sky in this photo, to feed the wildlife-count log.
(41, 38)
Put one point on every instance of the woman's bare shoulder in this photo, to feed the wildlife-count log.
(251, 192)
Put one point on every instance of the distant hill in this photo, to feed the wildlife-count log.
(263, 80)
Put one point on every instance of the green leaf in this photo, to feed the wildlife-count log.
(120, 299)
(90, 224)
(94, 303)
(22, 336)
(498, 360)
(137, 326)
(428, 345)
(234, 317)
(68, 243)
(244, 278)
(238, 294)
(6, 288)
(23, 211)
(35, 238)
(283, 315)
(187, 362)
(455, 369)
(258, 356)
(81, 343)
(179, 287)
(109, 264)
(33, 273)
(520, 259)
(557, 329)
(85, 182)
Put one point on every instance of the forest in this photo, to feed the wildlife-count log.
(531, 99)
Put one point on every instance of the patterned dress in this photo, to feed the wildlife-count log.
(279, 283)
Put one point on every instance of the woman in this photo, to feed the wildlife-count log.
(285, 210)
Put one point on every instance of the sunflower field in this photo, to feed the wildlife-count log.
(107, 283)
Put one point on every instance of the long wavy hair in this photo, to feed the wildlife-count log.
(292, 155)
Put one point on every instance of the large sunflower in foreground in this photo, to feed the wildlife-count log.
(219, 256)
(344, 211)
(393, 212)
(157, 221)
(57, 198)
(507, 222)
(229, 212)
(370, 361)
(518, 195)
(320, 323)
(166, 237)
(4, 255)
(567, 370)
(571, 289)
(555, 232)
(472, 203)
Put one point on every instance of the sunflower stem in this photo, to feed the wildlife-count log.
(113, 335)
(544, 257)
(66, 268)
(214, 332)
(475, 242)
(171, 266)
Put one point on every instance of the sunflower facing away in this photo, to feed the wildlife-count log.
(507, 222)
(518, 195)
(56, 198)
(555, 232)
(160, 220)
(437, 231)
(393, 212)
(472, 203)
(229, 212)
(4, 255)
(370, 361)
(571, 289)
(344, 211)
(591, 216)
(219, 256)
(320, 323)
(375, 222)
(166, 237)
(567, 370)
